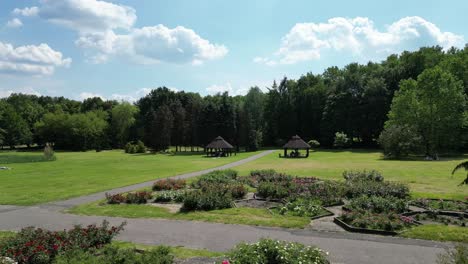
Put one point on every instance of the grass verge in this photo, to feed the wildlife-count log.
(438, 233)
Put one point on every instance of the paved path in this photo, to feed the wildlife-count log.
(343, 247)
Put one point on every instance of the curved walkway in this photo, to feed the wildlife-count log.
(343, 247)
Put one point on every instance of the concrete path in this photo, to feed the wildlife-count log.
(343, 247)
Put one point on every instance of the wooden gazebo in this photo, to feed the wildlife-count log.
(219, 148)
(295, 143)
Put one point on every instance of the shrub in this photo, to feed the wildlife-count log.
(341, 140)
(36, 245)
(49, 153)
(132, 149)
(314, 143)
(385, 221)
(273, 190)
(209, 200)
(456, 255)
(373, 188)
(441, 204)
(127, 147)
(113, 255)
(237, 190)
(115, 198)
(262, 173)
(328, 192)
(169, 196)
(363, 175)
(140, 147)
(399, 141)
(137, 197)
(169, 184)
(268, 251)
(216, 177)
(376, 204)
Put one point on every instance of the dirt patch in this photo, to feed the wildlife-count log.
(172, 207)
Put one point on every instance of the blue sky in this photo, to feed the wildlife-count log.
(120, 49)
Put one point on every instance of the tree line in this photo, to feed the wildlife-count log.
(414, 102)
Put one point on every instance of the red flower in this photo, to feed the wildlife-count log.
(225, 262)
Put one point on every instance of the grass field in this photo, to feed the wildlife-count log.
(431, 179)
(80, 173)
(438, 232)
(245, 216)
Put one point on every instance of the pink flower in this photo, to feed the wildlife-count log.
(225, 262)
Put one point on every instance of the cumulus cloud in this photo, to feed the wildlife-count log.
(86, 95)
(23, 90)
(27, 11)
(14, 23)
(96, 23)
(129, 97)
(228, 87)
(359, 36)
(30, 59)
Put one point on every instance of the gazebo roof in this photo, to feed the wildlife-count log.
(219, 143)
(296, 143)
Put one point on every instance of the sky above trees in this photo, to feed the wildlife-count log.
(122, 49)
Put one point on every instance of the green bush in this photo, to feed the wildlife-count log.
(400, 141)
(216, 177)
(363, 175)
(268, 251)
(137, 197)
(314, 143)
(169, 184)
(273, 190)
(262, 173)
(376, 204)
(49, 153)
(328, 192)
(384, 221)
(127, 147)
(212, 199)
(341, 140)
(115, 255)
(373, 188)
(140, 147)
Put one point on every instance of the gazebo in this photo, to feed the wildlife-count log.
(295, 143)
(219, 148)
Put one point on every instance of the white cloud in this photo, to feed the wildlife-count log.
(307, 41)
(30, 59)
(87, 15)
(27, 11)
(23, 90)
(86, 95)
(14, 23)
(219, 88)
(96, 22)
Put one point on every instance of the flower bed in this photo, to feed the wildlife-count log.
(441, 204)
(268, 251)
(36, 245)
(302, 207)
(141, 197)
(440, 217)
(365, 222)
(169, 184)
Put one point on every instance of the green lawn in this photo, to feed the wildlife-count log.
(80, 173)
(431, 179)
(245, 216)
(179, 251)
(438, 232)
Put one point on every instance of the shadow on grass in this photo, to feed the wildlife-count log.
(11, 159)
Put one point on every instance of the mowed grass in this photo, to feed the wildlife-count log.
(438, 232)
(178, 251)
(431, 179)
(80, 173)
(244, 216)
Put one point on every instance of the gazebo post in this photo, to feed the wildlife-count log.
(307, 155)
(285, 152)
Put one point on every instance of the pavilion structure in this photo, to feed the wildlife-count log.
(295, 144)
(219, 148)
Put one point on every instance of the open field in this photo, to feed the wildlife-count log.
(245, 216)
(80, 173)
(431, 179)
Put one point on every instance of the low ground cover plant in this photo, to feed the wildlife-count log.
(444, 205)
(39, 246)
(216, 177)
(169, 196)
(363, 175)
(378, 204)
(207, 200)
(268, 251)
(115, 255)
(442, 219)
(169, 184)
(141, 197)
(302, 207)
(372, 184)
(384, 221)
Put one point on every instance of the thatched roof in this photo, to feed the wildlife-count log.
(219, 143)
(296, 143)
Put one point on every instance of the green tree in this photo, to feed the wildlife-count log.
(161, 127)
(435, 105)
(15, 128)
(123, 117)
